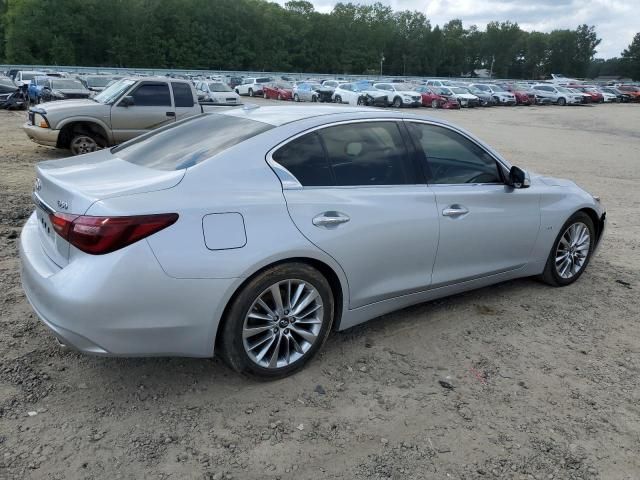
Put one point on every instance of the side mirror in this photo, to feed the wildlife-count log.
(126, 101)
(518, 178)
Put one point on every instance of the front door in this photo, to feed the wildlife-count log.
(361, 201)
(151, 108)
(486, 227)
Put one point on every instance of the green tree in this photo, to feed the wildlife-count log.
(631, 58)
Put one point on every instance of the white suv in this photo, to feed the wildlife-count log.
(400, 94)
(252, 86)
(558, 95)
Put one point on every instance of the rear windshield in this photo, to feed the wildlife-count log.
(71, 84)
(189, 142)
(98, 81)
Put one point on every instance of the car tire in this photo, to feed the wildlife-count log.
(314, 99)
(397, 102)
(569, 249)
(338, 99)
(562, 101)
(435, 104)
(296, 98)
(246, 341)
(251, 92)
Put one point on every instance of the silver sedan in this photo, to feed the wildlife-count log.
(254, 232)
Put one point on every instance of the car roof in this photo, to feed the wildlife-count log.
(281, 115)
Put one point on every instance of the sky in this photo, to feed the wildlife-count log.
(616, 21)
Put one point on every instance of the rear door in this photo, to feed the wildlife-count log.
(486, 227)
(185, 104)
(361, 200)
(152, 108)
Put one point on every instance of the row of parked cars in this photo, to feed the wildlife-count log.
(436, 93)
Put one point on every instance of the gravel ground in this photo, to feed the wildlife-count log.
(515, 381)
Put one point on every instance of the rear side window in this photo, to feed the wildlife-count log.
(450, 158)
(188, 142)
(304, 158)
(152, 95)
(358, 154)
(368, 153)
(182, 94)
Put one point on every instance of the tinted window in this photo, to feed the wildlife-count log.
(304, 158)
(452, 158)
(188, 142)
(152, 95)
(182, 94)
(370, 153)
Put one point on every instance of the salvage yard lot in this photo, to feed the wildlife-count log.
(518, 380)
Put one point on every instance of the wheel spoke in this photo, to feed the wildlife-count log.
(267, 308)
(268, 341)
(277, 298)
(273, 362)
(260, 316)
(313, 309)
(308, 336)
(306, 301)
(297, 295)
(251, 332)
(296, 345)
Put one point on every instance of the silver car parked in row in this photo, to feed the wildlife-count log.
(255, 232)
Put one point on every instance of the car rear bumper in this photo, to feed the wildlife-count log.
(122, 303)
(42, 136)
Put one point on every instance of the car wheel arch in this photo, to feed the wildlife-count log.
(71, 127)
(338, 288)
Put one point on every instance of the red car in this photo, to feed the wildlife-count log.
(277, 91)
(431, 99)
(596, 96)
(523, 96)
(632, 91)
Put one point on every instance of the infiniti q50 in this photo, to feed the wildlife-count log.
(255, 232)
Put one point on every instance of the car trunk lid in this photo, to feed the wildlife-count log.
(72, 185)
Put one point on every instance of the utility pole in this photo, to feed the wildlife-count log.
(381, 61)
(493, 59)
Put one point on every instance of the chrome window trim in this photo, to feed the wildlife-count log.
(290, 182)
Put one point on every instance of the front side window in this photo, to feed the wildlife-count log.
(182, 94)
(450, 158)
(152, 95)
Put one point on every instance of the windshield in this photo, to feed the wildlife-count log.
(263, 80)
(29, 75)
(189, 142)
(67, 84)
(458, 90)
(218, 87)
(475, 91)
(112, 93)
(403, 87)
(315, 86)
(520, 86)
(484, 88)
(563, 90)
(97, 81)
(496, 88)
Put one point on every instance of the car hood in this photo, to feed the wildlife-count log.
(61, 109)
(467, 96)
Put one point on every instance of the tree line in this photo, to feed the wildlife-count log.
(263, 36)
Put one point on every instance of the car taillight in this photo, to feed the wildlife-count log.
(100, 235)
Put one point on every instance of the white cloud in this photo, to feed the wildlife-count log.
(615, 20)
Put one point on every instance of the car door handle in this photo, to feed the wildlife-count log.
(454, 211)
(330, 219)
(171, 114)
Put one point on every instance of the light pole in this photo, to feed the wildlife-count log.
(381, 60)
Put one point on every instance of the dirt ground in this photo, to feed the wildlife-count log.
(545, 382)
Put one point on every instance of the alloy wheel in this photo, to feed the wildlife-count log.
(573, 250)
(282, 324)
